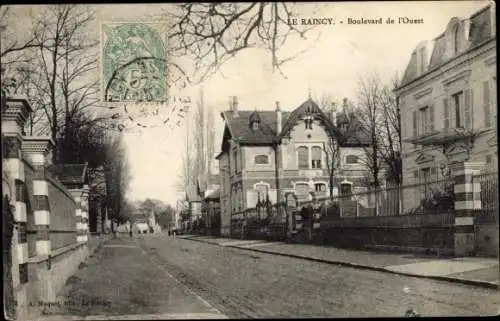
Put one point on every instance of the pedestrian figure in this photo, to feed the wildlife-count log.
(129, 227)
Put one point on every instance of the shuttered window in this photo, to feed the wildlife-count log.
(415, 124)
(303, 157)
(468, 109)
(486, 104)
(431, 118)
(446, 116)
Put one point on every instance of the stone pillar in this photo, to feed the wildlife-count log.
(13, 119)
(77, 196)
(84, 213)
(38, 149)
(467, 199)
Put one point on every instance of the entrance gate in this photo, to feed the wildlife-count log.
(485, 186)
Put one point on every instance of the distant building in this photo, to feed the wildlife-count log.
(268, 153)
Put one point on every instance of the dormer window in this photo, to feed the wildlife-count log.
(254, 121)
(456, 39)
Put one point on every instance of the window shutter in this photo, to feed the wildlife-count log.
(486, 103)
(431, 118)
(415, 124)
(468, 109)
(446, 110)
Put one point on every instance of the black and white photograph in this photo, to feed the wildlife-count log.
(226, 160)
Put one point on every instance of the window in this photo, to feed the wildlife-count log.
(351, 159)
(488, 159)
(308, 122)
(486, 103)
(422, 60)
(261, 191)
(316, 157)
(235, 158)
(241, 200)
(345, 189)
(261, 159)
(425, 172)
(302, 191)
(303, 157)
(424, 120)
(457, 104)
(456, 39)
(424, 177)
(320, 187)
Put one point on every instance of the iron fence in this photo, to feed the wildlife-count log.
(485, 190)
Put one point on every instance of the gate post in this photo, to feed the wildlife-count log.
(14, 115)
(467, 198)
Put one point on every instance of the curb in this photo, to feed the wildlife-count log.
(484, 284)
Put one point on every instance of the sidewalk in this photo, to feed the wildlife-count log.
(468, 270)
(123, 281)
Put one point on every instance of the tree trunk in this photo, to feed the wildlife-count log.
(331, 184)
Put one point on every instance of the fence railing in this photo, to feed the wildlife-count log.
(424, 198)
(485, 187)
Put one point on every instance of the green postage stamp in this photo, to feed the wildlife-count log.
(133, 62)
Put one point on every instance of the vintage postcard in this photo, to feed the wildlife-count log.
(249, 160)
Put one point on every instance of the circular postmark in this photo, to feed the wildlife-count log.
(135, 81)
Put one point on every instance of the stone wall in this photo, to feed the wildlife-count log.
(46, 247)
(411, 233)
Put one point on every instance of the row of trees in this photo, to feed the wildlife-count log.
(54, 65)
(199, 155)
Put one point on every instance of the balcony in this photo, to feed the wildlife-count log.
(444, 136)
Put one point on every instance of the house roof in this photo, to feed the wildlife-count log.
(473, 31)
(240, 129)
(238, 126)
(69, 173)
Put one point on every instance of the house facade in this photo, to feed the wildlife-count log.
(265, 154)
(448, 101)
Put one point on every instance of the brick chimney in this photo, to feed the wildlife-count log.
(234, 106)
(278, 118)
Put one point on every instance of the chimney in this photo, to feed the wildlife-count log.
(334, 113)
(278, 118)
(235, 106)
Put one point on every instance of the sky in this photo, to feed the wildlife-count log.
(332, 65)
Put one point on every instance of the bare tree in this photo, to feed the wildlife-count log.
(331, 148)
(58, 80)
(213, 33)
(391, 133)
(10, 44)
(370, 113)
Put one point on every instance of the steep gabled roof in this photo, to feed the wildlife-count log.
(238, 125)
(310, 107)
